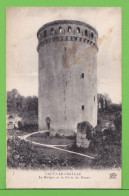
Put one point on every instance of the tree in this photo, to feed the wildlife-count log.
(104, 101)
(14, 100)
(25, 107)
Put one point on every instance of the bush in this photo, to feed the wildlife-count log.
(22, 154)
(114, 108)
(107, 143)
(108, 156)
(28, 127)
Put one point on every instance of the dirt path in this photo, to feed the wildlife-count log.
(24, 137)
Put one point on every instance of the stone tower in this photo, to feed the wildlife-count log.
(67, 74)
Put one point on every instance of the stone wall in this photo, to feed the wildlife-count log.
(67, 75)
(84, 134)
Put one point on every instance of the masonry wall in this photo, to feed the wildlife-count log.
(67, 83)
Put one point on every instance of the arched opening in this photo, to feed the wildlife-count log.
(78, 30)
(86, 32)
(48, 122)
(60, 29)
(52, 31)
(92, 35)
(69, 29)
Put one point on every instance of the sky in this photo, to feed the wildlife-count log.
(22, 24)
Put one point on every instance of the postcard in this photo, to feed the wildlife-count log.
(64, 97)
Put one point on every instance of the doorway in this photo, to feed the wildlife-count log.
(48, 126)
(48, 122)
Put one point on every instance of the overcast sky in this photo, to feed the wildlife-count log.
(22, 25)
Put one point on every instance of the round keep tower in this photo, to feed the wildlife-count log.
(67, 74)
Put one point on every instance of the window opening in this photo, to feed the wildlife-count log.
(52, 31)
(78, 30)
(92, 35)
(86, 32)
(69, 29)
(82, 107)
(82, 75)
(60, 29)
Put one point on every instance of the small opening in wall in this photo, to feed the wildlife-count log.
(86, 32)
(94, 98)
(69, 29)
(60, 29)
(92, 35)
(78, 30)
(45, 33)
(52, 31)
(82, 75)
(83, 107)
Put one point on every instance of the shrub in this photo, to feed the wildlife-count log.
(107, 143)
(28, 127)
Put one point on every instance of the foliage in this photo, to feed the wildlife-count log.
(115, 108)
(21, 154)
(109, 155)
(27, 127)
(25, 107)
(24, 155)
(107, 143)
(104, 101)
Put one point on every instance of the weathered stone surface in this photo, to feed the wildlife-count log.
(67, 74)
(84, 134)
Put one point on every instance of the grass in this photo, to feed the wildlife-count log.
(43, 138)
(15, 132)
(21, 154)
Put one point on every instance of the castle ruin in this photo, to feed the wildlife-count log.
(67, 74)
